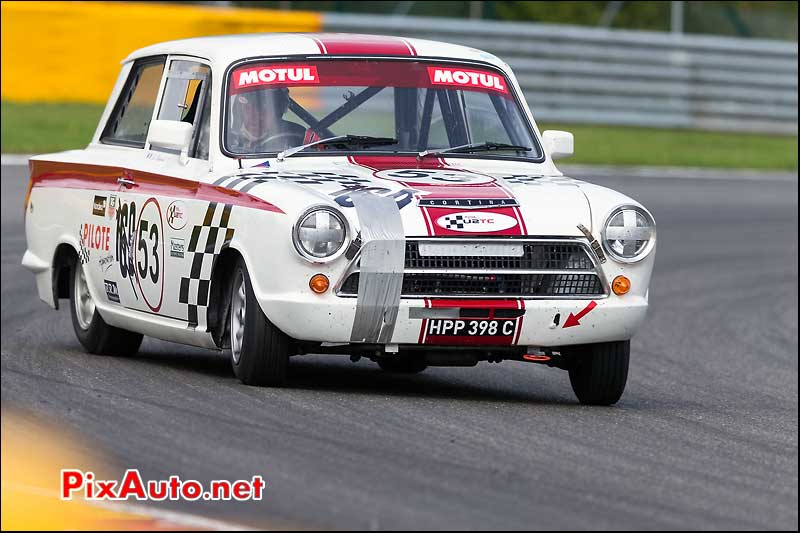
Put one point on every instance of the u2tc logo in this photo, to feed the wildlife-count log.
(474, 223)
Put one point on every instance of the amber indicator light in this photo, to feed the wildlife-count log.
(319, 283)
(621, 285)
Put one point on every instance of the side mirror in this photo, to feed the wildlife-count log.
(171, 135)
(559, 144)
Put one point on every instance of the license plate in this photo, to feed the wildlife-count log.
(471, 328)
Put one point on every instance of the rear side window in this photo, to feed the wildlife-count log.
(130, 120)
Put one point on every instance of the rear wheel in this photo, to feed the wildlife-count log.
(598, 372)
(259, 350)
(92, 331)
(403, 365)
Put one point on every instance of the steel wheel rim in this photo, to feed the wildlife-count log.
(84, 305)
(238, 308)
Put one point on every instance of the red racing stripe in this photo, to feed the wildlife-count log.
(484, 187)
(100, 177)
(424, 327)
(366, 45)
(521, 304)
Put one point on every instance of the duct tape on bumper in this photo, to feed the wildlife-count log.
(381, 271)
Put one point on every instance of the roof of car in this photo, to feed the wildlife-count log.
(226, 49)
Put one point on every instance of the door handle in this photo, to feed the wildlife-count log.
(127, 182)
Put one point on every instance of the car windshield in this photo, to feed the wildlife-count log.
(395, 106)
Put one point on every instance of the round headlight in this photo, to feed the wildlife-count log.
(629, 234)
(320, 233)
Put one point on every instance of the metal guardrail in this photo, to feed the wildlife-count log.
(591, 75)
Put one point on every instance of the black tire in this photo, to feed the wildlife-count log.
(95, 335)
(403, 365)
(598, 372)
(263, 350)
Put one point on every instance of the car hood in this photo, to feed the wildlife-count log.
(436, 197)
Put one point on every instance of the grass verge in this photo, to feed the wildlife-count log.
(612, 145)
(37, 128)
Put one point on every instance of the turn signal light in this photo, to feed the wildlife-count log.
(621, 285)
(319, 283)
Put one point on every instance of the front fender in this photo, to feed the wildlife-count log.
(278, 274)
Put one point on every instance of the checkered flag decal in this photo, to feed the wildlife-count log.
(526, 179)
(244, 181)
(454, 221)
(207, 241)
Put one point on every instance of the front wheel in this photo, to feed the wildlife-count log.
(259, 350)
(90, 328)
(598, 372)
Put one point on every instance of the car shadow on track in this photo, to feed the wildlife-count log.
(336, 374)
(434, 383)
(528, 384)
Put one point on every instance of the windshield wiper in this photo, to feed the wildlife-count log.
(341, 141)
(475, 147)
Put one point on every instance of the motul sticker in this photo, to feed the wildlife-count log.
(476, 222)
(466, 78)
(277, 75)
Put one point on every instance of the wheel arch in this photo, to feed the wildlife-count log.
(219, 299)
(63, 257)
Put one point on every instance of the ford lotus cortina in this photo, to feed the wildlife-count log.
(277, 195)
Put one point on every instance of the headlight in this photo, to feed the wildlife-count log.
(629, 234)
(320, 233)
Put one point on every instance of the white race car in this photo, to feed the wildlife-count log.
(283, 194)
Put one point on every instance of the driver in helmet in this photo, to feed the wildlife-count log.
(257, 122)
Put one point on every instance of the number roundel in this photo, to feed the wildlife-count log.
(438, 177)
(149, 254)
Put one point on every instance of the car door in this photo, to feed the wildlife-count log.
(155, 206)
(122, 143)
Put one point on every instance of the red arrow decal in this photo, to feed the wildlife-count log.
(573, 320)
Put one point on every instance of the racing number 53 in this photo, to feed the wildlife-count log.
(154, 270)
(149, 254)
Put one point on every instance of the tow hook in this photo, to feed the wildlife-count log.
(547, 357)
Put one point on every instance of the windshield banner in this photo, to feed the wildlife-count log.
(367, 74)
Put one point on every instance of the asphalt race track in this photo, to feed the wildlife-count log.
(704, 437)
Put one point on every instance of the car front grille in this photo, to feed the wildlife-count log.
(546, 268)
(495, 285)
(536, 256)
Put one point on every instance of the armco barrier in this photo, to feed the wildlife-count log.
(591, 75)
(65, 51)
(62, 51)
